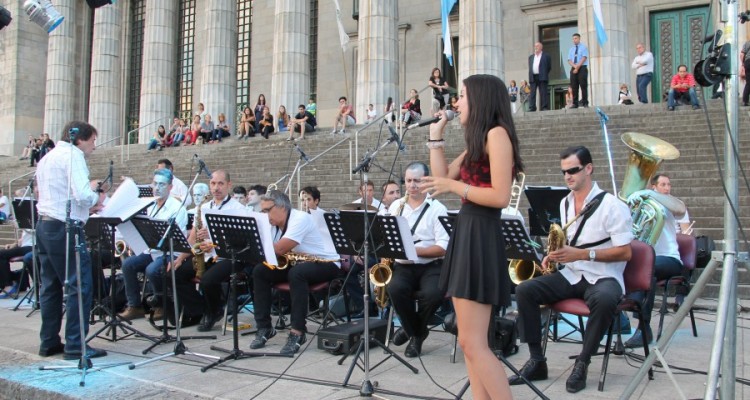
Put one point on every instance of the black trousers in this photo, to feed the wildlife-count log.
(746, 90)
(543, 94)
(299, 276)
(212, 280)
(580, 80)
(6, 276)
(418, 282)
(601, 298)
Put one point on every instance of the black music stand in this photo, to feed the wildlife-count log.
(26, 217)
(114, 320)
(238, 239)
(152, 231)
(101, 235)
(545, 207)
(145, 191)
(347, 234)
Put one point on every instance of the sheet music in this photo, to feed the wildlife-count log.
(125, 202)
(264, 226)
(318, 216)
(405, 231)
(131, 236)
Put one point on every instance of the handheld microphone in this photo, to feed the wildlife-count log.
(202, 166)
(301, 153)
(397, 139)
(449, 114)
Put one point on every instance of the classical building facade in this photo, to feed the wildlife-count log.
(133, 65)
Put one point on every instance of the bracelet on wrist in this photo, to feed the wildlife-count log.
(436, 140)
(435, 144)
(466, 192)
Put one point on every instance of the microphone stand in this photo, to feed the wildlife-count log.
(297, 167)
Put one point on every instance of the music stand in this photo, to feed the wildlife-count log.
(26, 217)
(238, 239)
(388, 236)
(101, 234)
(152, 231)
(545, 205)
(145, 191)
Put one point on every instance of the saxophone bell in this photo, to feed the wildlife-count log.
(380, 275)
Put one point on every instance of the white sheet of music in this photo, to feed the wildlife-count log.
(132, 237)
(264, 228)
(125, 203)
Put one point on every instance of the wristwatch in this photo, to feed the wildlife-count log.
(592, 255)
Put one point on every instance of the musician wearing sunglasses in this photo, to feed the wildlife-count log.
(594, 257)
(293, 231)
(418, 280)
(151, 261)
(217, 270)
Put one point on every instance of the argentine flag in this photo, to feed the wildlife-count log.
(601, 34)
(445, 8)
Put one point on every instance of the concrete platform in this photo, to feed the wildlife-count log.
(315, 374)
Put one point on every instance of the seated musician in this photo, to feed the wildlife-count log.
(418, 280)
(254, 192)
(292, 231)
(667, 262)
(179, 188)
(217, 271)
(594, 258)
(200, 190)
(391, 192)
(151, 261)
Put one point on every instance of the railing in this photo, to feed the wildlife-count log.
(125, 148)
(108, 141)
(302, 166)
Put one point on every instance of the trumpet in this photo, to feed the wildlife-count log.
(380, 275)
(291, 258)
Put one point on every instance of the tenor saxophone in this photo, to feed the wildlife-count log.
(291, 258)
(557, 239)
(199, 262)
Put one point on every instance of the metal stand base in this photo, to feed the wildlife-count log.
(111, 330)
(84, 368)
(355, 361)
(237, 354)
(167, 338)
(179, 350)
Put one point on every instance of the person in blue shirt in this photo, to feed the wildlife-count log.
(578, 59)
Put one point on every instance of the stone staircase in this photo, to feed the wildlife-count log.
(695, 176)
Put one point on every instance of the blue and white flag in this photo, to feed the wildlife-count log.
(601, 33)
(343, 37)
(445, 8)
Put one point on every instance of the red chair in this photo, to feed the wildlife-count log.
(637, 277)
(688, 255)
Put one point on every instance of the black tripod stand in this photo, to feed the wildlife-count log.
(152, 232)
(114, 321)
(26, 217)
(239, 239)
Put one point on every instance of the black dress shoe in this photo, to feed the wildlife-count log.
(533, 370)
(577, 379)
(636, 341)
(414, 348)
(400, 337)
(207, 323)
(90, 353)
(54, 350)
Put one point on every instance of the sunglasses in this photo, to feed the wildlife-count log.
(572, 171)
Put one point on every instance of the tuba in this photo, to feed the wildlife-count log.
(647, 154)
(380, 275)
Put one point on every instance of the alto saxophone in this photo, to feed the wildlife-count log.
(291, 258)
(556, 238)
(199, 263)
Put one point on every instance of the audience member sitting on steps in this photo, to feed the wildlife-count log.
(266, 123)
(260, 104)
(159, 140)
(247, 124)
(345, 116)
(192, 135)
(311, 107)
(222, 129)
(302, 122)
(283, 118)
(207, 129)
(682, 89)
(411, 109)
(624, 97)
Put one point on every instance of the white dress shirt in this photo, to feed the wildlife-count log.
(430, 231)
(52, 180)
(302, 229)
(646, 58)
(227, 204)
(180, 191)
(375, 203)
(667, 243)
(171, 207)
(611, 220)
(535, 66)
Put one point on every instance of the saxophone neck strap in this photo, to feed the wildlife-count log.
(585, 218)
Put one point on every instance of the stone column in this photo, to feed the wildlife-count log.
(61, 63)
(106, 74)
(609, 65)
(480, 43)
(218, 89)
(290, 72)
(158, 71)
(377, 71)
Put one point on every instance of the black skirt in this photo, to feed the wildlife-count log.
(475, 266)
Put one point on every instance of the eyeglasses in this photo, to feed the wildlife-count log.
(572, 171)
(267, 210)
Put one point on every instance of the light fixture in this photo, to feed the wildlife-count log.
(715, 67)
(43, 13)
(99, 3)
(4, 17)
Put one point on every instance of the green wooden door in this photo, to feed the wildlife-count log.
(676, 38)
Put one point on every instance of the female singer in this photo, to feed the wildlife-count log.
(475, 268)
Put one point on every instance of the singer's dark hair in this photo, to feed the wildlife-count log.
(84, 131)
(489, 106)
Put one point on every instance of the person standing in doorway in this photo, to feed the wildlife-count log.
(578, 59)
(643, 64)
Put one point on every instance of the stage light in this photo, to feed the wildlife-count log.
(4, 17)
(43, 13)
(715, 67)
(99, 3)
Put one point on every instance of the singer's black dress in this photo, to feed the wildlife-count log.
(475, 266)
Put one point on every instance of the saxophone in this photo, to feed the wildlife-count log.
(199, 263)
(381, 273)
(292, 258)
(556, 238)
